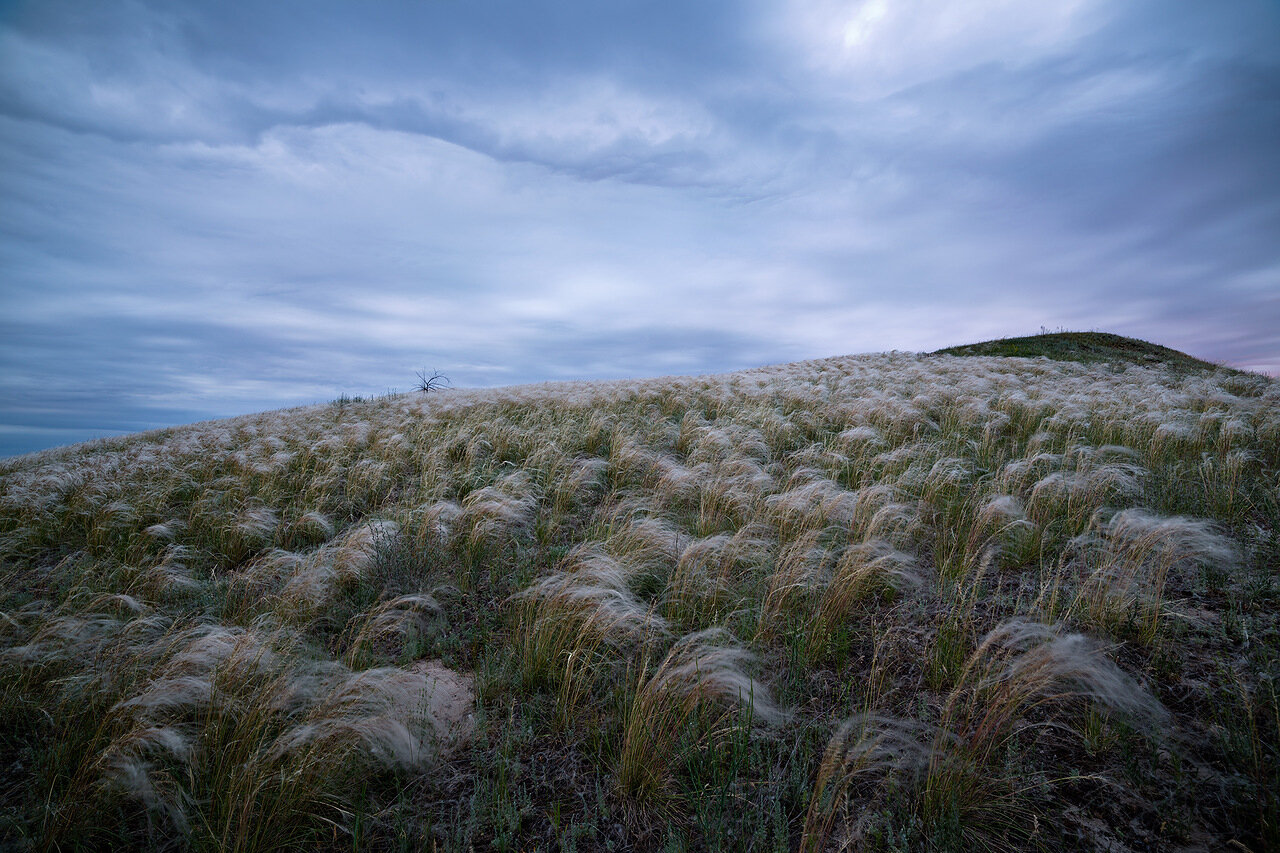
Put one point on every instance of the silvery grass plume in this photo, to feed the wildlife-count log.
(112, 525)
(1170, 438)
(810, 501)
(949, 501)
(297, 587)
(371, 481)
(1130, 559)
(948, 477)
(733, 493)
(670, 482)
(169, 578)
(1001, 526)
(693, 425)
(723, 443)
(712, 572)
(41, 488)
(435, 524)
(649, 546)
(676, 485)
(262, 458)
(803, 566)
(1019, 476)
(95, 662)
(779, 433)
(79, 629)
(819, 458)
(576, 616)
(700, 685)
(864, 748)
(357, 550)
(240, 736)
(860, 442)
(261, 580)
(880, 512)
(187, 666)
(1070, 498)
(503, 512)
(390, 625)
(165, 531)
(384, 717)
(255, 529)
(1023, 678)
(310, 528)
(317, 577)
(863, 571)
(574, 481)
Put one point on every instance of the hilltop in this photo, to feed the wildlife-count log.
(886, 602)
(1084, 347)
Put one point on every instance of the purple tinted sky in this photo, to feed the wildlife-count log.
(219, 207)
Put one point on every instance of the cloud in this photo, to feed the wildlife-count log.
(875, 48)
(226, 207)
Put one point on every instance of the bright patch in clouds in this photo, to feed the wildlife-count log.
(878, 47)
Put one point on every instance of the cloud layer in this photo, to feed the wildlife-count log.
(209, 208)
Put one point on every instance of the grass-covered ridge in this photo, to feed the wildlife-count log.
(1085, 347)
(889, 602)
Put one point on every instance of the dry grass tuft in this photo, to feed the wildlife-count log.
(700, 682)
(1024, 677)
(1130, 559)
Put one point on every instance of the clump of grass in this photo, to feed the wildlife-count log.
(1130, 560)
(299, 588)
(708, 580)
(700, 682)
(802, 566)
(574, 484)
(391, 625)
(235, 738)
(649, 546)
(498, 514)
(1001, 526)
(310, 528)
(864, 571)
(863, 747)
(1067, 499)
(1023, 677)
(568, 620)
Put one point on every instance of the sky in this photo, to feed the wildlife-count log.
(214, 208)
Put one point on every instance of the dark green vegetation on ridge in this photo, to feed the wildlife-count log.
(1084, 347)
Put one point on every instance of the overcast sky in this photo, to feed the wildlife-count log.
(209, 208)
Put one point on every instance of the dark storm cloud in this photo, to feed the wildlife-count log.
(221, 207)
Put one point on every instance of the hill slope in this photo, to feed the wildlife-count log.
(1086, 347)
(881, 602)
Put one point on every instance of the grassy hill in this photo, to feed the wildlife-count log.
(1085, 347)
(891, 602)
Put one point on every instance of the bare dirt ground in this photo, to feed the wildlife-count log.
(452, 702)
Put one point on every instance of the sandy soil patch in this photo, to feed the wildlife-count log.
(452, 702)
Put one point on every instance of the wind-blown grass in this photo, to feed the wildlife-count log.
(879, 602)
